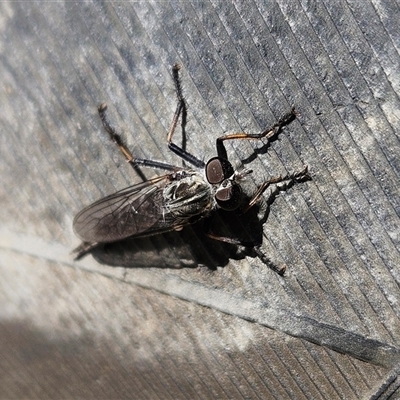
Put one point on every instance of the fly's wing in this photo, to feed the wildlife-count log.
(129, 212)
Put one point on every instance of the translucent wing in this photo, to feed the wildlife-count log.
(129, 212)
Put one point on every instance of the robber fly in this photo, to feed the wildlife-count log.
(178, 198)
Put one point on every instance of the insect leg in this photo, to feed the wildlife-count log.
(181, 107)
(268, 133)
(83, 249)
(116, 138)
(288, 181)
(254, 247)
(181, 110)
(263, 257)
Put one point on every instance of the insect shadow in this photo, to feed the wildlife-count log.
(145, 224)
(188, 248)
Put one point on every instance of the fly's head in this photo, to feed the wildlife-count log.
(220, 174)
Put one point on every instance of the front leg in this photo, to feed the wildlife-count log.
(288, 181)
(268, 133)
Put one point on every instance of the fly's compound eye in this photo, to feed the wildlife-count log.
(218, 169)
(229, 195)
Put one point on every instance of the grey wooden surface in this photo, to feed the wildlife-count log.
(202, 320)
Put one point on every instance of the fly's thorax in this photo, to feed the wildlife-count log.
(188, 194)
